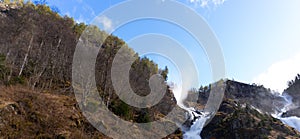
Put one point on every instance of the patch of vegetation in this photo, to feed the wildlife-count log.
(143, 116)
(3, 68)
(122, 109)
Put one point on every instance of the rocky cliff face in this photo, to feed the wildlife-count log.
(256, 96)
(259, 97)
(245, 113)
(294, 91)
(236, 121)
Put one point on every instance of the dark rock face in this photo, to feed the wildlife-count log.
(238, 116)
(256, 96)
(292, 112)
(294, 91)
(234, 121)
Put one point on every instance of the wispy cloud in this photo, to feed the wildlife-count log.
(277, 76)
(105, 22)
(81, 11)
(68, 14)
(206, 3)
(80, 19)
(88, 10)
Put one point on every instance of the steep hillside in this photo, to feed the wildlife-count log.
(30, 114)
(37, 47)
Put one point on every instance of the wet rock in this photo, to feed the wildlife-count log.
(292, 112)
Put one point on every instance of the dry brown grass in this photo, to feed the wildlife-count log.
(31, 114)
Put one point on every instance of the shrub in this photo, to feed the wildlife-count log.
(122, 109)
(3, 68)
(143, 116)
(17, 80)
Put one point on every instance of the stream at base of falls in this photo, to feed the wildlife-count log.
(195, 129)
(198, 120)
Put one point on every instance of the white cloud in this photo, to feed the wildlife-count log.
(89, 10)
(205, 3)
(277, 76)
(68, 14)
(218, 2)
(105, 22)
(81, 19)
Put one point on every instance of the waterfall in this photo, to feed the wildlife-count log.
(196, 128)
(292, 121)
(198, 120)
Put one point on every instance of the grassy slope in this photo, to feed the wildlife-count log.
(29, 114)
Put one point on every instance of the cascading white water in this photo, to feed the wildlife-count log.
(292, 121)
(196, 128)
(194, 131)
(199, 119)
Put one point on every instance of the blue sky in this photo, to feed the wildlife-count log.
(260, 39)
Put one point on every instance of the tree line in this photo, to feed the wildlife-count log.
(36, 50)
